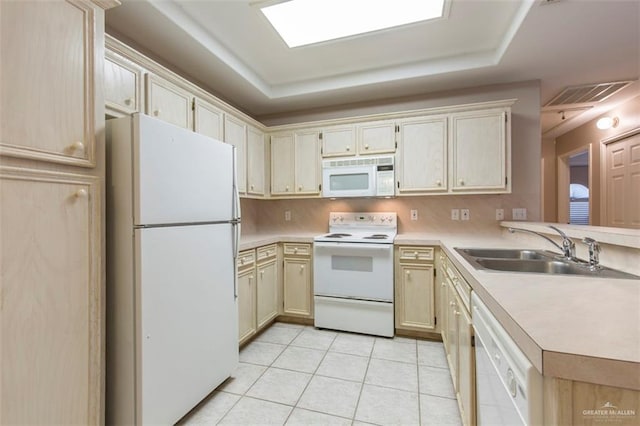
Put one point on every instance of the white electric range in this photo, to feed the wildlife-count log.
(353, 273)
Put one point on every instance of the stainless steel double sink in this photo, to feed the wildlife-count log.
(535, 261)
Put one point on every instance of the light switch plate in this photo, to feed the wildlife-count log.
(519, 214)
(464, 214)
(455, 214)
(414, 214)
(499, 214)
(287, 215)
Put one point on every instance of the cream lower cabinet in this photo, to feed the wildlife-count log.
(258, 293)
(246, 287)
(414, 289)
(51, 298)
(298, 287)
(459, 341)
(267, 285)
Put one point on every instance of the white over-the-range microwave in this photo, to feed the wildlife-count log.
(358, 177)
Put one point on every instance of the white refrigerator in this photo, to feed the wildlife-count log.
(173, 222)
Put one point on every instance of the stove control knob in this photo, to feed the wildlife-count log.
(341, 219)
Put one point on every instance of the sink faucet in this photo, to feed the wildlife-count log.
(594, 252)
(568, 247)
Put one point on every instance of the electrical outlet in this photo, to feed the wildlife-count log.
(464, 214)
(414, 214)
(519, 214)
(455, 214)
(287, 215)
(499, 214)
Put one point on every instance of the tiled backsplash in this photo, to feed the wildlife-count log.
(434, 212)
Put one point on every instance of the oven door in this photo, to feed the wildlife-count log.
(357, 181)
(353, 270)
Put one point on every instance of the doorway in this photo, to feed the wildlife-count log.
(574, 183)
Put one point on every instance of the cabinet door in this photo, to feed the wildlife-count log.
(479, 151)
(452, 334)
(307, 162)
(423, 146)
(235, 133)
(168, 102)
(338, 141)
(246, 304)
(466, 367)
(207, 119)
(414, 297)
(376, 137)
(255, 161)
(267, 293)
(282, 165)
(51, 92)
(122, 85)
(51, 313)
(297, 287)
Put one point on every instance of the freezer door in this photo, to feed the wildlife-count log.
(180, 176)
(186, 317)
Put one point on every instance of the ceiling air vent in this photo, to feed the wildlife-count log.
(589, 93)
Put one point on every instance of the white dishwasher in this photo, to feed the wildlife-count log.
(508, 386)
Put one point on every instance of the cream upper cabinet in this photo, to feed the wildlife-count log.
(207, 119)
(422, 154)
(295, 163)
(255, 161)
(282, 164)
(235, 133)
(376, 137)
(168, 102)
(51, 89)
(338, 141)
(479, 151)
(122, 85)
(307, 162)
(51, 313)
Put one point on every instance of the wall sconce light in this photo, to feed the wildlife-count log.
(607, 122)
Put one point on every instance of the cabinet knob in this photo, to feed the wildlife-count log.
(261, 273)
(81, 193)
(286, 188)
(242, 261)
(408, 273)
(439, 182)
(348, 148)
(77, 146)
(452, 304)
(128, 101)
(456, 313)
(300, 188)
(157, 112)
(302, 267)
(295, 249)
(461, 181)
(252, 186)
(268, 252)
(415, 254)
(366, 146)
(250, 277)
(442, 284)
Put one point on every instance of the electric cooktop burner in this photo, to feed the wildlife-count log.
(337, 235)
(376, 237)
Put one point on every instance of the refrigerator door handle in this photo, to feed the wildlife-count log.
(235, 200)
(235, 228)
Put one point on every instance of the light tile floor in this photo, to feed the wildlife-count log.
(299, 375)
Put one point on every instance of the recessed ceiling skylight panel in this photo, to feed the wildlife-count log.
(303, 22)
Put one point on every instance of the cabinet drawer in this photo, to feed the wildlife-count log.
(297, 249)
(266, 252)
(416, 253)
(246, 258)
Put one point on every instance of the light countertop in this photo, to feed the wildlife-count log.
(576, 328)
